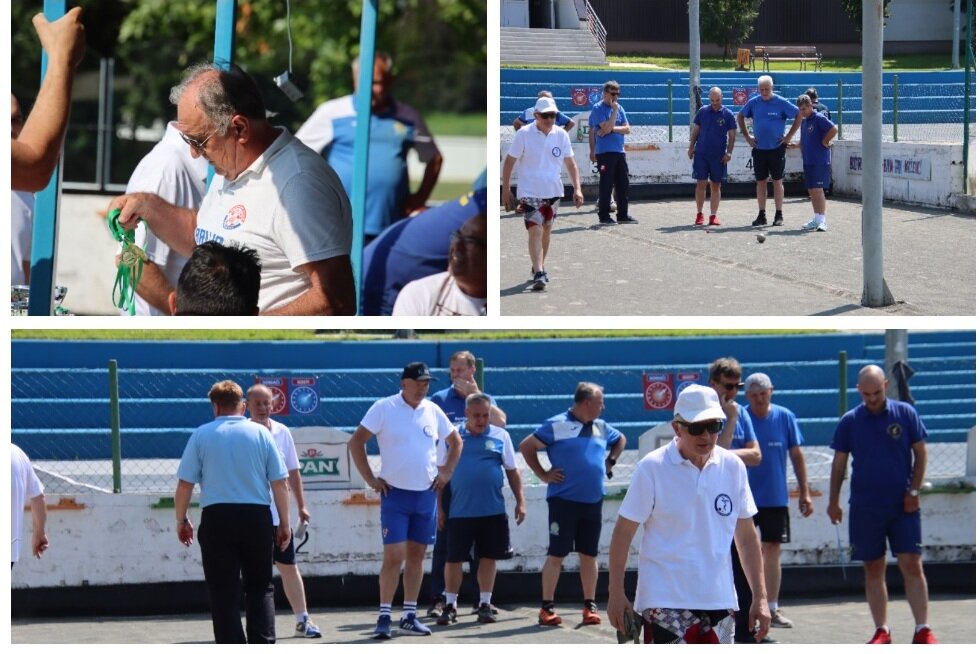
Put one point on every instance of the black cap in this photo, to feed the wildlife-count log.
(417, 371)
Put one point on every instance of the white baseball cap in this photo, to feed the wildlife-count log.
(698, 403)
(545, 105)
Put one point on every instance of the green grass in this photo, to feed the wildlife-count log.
(340, 335)
(447, 191)
(830, 64)
(457, 124)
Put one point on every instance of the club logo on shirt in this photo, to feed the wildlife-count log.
(723, 505)
(895, 430)
(488, 445)
(556, 151)
(721, 121)
(553, 529)
(429, 431)
(235, 217)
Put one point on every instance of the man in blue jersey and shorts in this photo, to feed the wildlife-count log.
(768, 112)
(779, 435)
(712, 142)
(608, 127)
(396, 128)
(576, 442)
(816, 137)
(527, 116)
(419, 450)
(477, 516)
(888, 442)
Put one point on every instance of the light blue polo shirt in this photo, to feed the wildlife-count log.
(611, 142)
(744, 432)
(579, 449)
(233, 459)
(769, 119)
(479, 478)
(778, 432)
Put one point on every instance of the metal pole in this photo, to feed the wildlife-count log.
(362, 135)
(224, 42)
(114, 422)
(670, 111)
(968, 63)
(895, 108)
(108, 134)
(694, 49)
(479, 373)
(842, 383)
(896, 349)
(840, 109)
(44, 236)
(956, 33)
(875, 293)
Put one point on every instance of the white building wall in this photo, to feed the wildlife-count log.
(919, 20)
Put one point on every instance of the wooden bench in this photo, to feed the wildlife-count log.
(800, 53)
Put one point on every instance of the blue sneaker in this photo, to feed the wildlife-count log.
(383, 630)
(307, 629)
(410, 626)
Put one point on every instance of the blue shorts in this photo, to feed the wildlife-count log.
(710, 167)
(573, 526)
(408, 515)
(816, 176)
(870, 526)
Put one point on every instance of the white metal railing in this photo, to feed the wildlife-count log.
(596, 27)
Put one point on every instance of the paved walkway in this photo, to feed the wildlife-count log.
(953, 619)
(666, 266)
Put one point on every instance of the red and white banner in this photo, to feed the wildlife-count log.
(658, 391)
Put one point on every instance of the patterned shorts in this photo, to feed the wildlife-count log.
(670, 626)
(538, 211)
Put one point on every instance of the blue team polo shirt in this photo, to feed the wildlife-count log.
(881, 450)
(233, 459)
(452, 404)
(744, 432)
(778, 432)
(769, 119)
(579, 449)
(612, 142)
(812, 132)
(714, 127)
(478, 479)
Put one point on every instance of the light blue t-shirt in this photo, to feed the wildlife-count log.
(579, 449)
(778, 432)
(769, 119)
(478, 479)
(611, 142)
(233, 459)
(881, 450)
(744, 432)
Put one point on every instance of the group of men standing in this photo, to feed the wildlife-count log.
(713, 503)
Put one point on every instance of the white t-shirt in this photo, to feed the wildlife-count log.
(168, 170)
(541, 157)
(412, 442)
(290, 207)
(688, 518)
(21, 229)
(437, 295)
(24, 486)
(287, 448)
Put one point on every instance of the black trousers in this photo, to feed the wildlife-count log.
(613, 173)
(743, 632)
(237, 556)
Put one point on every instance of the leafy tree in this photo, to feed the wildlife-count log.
(853, 9)
(728, 23)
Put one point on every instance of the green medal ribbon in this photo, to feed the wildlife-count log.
(131, 261)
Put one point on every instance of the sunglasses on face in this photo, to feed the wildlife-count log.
(730, 387)
(698, 428)
(613, 92)
(194, 143)
(549, 116)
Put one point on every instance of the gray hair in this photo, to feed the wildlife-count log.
(479, 396)
(765, 80)
(221, 96)
(380, 56)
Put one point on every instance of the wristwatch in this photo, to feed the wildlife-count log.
(913, 492)
(610, 460)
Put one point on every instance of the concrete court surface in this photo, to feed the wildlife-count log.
(843, 620)
(666, 266)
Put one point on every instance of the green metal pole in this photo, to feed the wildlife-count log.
(479, 373)
(840, 109)
(114, 422)
(842, 383)
(670, 111)
(968, 62)
(895, 107)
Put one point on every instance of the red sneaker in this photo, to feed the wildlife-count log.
(924, 637)
(548, 618)
(699, 220)
(713, 221)
(881, 637)
(590, 615)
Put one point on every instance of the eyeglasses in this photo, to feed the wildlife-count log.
(698, 428)
(613, 92)
(457, 236)
(730, 387)
(549, 116)
(198, 146)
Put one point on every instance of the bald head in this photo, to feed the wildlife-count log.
(872, 385)
(715, 96)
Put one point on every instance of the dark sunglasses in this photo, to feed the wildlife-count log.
(613, 92)
(549, 116)
(698, 428)
(731, 387)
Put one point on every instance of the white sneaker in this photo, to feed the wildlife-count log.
(813, 224)
(780, 620)
(822, 227)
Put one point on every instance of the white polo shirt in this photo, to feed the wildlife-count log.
(21, 231)
(169, 171)
(24, 486)
(290, 207)
(287, 448)
(688, 518)
(412, 441)
(437, 295)
(541, 157)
